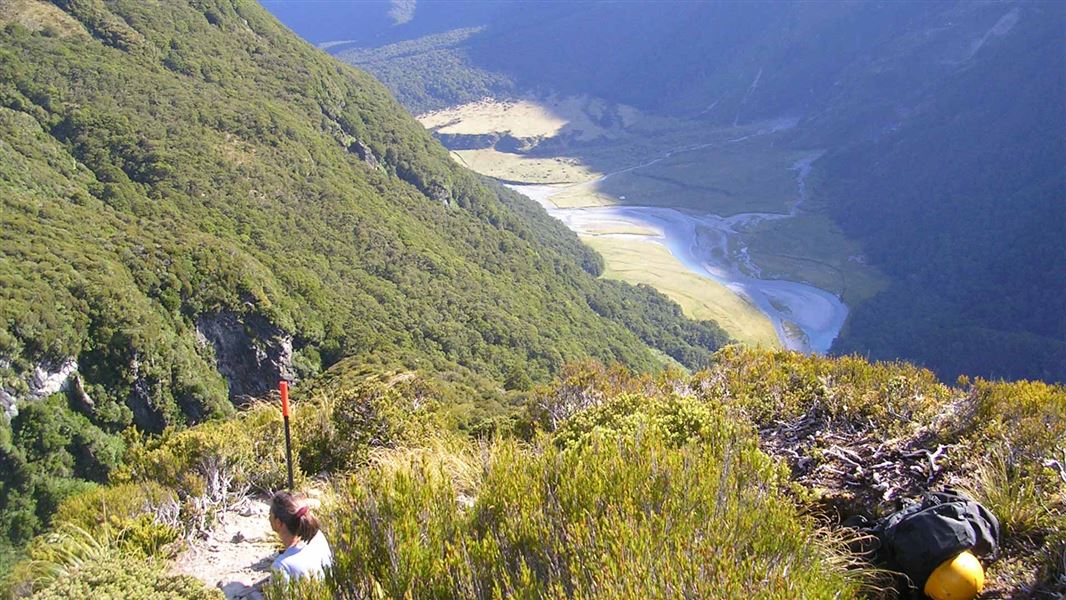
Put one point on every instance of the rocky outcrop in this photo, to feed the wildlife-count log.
(146, 414)
(46, 378)
(250, 352)
(365, 154)
(79, 398)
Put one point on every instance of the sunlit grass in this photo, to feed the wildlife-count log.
(525, 169)
(700, 298)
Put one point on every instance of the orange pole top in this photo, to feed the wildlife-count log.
(283, 386)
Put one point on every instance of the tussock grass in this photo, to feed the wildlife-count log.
(1017, 500)
(74, 562)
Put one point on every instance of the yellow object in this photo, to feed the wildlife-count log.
(960, 578)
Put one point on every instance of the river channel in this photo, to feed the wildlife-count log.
(806, 318)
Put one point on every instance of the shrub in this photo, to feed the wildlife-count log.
(212, 465)
(99, 505)
(69, 549)
(126, 578)
(339, 425)
(141, 518)
(894, 398)
(618, 518)
(580, 386)
(1026, 418)
(246, 451)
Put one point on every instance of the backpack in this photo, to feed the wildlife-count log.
(917, 538)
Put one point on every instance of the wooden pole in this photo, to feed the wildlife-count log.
(283, 387)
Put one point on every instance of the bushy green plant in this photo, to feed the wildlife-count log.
(100, 504)
(69, 549)
(619, 518)
(766, 386)
(579, 386)
(355, 412)
(675, 419)
(54, 453)
(141, 518)
(126, 578)
(246, 451)
(1026, 418)
(1019, 501)
(212, 465)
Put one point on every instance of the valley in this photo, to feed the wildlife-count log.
(521, 382)
(720, 219)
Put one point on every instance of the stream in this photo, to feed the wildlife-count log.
(806, 318)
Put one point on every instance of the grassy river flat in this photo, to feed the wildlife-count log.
(720, 220)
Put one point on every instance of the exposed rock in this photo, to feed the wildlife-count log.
(438, 193)
(250, 352)
(360, 149)
(46, 378)
(7, 404)
(79, 397)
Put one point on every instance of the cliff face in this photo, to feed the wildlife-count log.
(250, 352)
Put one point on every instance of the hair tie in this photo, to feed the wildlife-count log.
(301, 512)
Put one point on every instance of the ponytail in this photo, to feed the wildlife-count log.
(295, 515)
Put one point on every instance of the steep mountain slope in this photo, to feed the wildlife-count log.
(197, 203)
(943, 125)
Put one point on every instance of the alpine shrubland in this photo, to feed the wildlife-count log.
(607, 482)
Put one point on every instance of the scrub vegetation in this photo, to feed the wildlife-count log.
(605, 483)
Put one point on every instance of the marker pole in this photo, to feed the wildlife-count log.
(283, 387)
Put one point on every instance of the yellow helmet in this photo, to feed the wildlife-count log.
(960, 578)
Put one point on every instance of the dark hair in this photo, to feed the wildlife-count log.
(294, 514)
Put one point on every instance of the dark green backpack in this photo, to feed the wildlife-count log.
(920, 536)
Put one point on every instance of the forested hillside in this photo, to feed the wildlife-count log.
(942, 124)
(197, 203)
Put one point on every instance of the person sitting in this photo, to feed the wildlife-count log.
(306, 553)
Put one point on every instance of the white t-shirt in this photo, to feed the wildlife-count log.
(305, 559)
